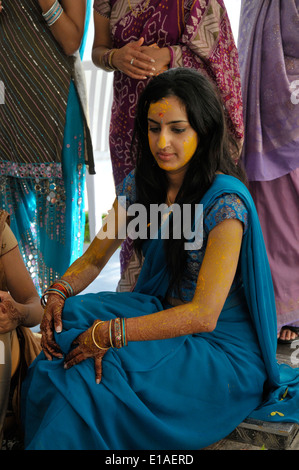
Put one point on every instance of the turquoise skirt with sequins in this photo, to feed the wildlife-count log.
(46, 204)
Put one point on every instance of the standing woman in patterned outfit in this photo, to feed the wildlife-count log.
(43, 132)
(139, 39)
(271, 145)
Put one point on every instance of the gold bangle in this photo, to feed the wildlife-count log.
(110, 333)
(110, 59)
(93, 338)
(106, 60)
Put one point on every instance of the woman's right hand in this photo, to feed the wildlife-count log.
(143, 65)
(52, 322)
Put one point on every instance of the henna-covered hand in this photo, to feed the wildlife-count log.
(52, 321)
(11, 315)
(86, 348)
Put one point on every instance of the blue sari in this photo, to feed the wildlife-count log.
(180, 393)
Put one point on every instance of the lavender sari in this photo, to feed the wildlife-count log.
(269, 64)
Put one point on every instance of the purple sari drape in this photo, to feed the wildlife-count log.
(199, 36)
(269, 63)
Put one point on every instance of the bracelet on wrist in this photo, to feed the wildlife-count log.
(93, 338)
(53, 14)
(107, 60)
(117, 333)
(60, 287)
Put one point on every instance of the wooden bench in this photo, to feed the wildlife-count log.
(262, 434)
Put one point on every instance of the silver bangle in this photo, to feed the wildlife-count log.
(53, 14)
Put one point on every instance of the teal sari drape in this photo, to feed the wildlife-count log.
(180, 393)
(45, 198)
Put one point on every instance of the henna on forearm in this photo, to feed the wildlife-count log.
(176, 321)
(214, 282)
(82, 272)
(86, 268)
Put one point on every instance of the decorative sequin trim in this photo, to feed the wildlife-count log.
(31, 170)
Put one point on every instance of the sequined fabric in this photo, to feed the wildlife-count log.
(42, 144)
(36, 75)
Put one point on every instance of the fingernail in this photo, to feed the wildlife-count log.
(153, 60)
(65, 366)
(58, 329)
(98, 381)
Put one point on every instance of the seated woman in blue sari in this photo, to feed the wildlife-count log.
(186, 356)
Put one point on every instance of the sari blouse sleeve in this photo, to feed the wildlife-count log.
(102, 7)
(227, 206)
(207, 44)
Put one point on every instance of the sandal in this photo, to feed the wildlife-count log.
(295, 329)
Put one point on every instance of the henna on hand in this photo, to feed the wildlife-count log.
(86, 348)
(52, 320)
(11, 315)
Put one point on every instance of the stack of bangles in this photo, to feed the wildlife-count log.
(52, 15)
(61, 288)
(107, 60)
(117, 333)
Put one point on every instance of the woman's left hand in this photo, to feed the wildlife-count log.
(10, 313)
(86, 348)
(161, 56)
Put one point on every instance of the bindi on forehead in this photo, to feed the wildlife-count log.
(160, 107)
(161, 115)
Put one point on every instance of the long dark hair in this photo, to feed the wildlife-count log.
(214, 151)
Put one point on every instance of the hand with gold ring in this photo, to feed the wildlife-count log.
(133, 62)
